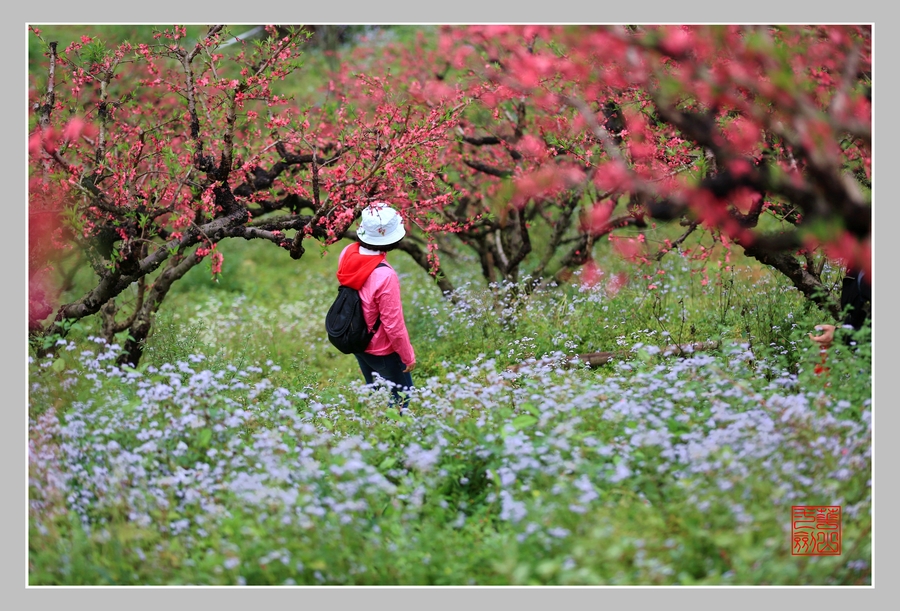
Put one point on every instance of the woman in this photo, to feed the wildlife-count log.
(856, 305)
(363, 266)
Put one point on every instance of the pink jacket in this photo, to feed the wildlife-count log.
(380, 295)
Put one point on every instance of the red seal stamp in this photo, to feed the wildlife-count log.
(816, 530)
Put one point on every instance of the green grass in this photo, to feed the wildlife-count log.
(245, 449)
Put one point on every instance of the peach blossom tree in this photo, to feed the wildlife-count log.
(146, 156)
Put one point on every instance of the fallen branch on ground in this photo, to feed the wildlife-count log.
(593, 359)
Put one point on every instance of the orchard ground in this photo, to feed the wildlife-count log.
(244, 449)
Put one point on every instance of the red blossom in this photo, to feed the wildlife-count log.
(627, 248)
(743, 135)
(616, 282)
(454, 131)
(597, 217)
(591, 273)
(676, 41)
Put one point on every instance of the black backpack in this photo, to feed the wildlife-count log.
(345, 324)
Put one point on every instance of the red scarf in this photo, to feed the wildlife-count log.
(354, 268)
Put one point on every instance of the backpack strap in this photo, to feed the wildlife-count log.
(378, 320)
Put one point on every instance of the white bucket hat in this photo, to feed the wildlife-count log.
(380, 225)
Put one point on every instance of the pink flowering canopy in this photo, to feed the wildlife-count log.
(147, 155)
(732, 127)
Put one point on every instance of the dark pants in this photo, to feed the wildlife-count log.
(389, 367)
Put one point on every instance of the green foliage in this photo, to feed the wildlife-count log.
(510, 467)
(60, 330)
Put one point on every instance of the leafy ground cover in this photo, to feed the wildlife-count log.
(245, 450)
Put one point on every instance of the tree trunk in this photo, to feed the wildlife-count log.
(806, 282)
(143, 319)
